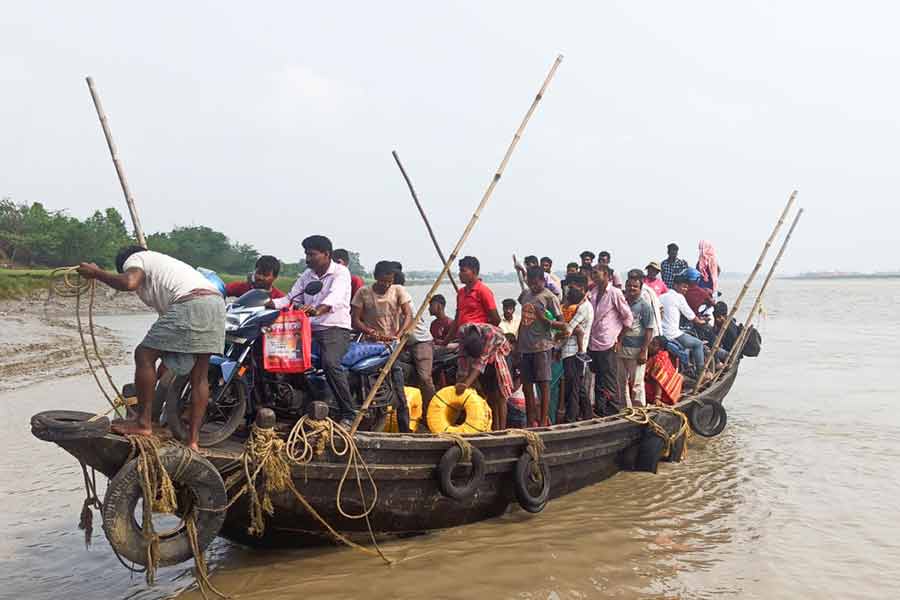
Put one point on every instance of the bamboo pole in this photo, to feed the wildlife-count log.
(737, 303)
(742, 339)
(386, 369)
(518, 273)
(415, 198)
(120, 171)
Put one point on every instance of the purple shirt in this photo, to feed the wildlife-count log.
(335, 293)
(611, 314)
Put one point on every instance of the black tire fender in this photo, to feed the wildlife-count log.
(449, 461)
(705, 423)
(528, 500)
(197, 476)
(63, 425)
(650, 451)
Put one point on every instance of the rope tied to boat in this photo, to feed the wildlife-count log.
(535, 447)
(158, 495)
(465, 447)
(266, 453)
(643, 415)
(157, 492)
(91, 501)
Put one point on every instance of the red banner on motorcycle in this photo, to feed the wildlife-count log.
(287, 346)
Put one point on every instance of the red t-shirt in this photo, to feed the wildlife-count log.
(239, 288)
(697, 296)
(473, 306)
(440, 331)
(356, 282)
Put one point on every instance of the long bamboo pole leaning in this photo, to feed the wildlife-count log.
(415, 198)
(737, 303)
(386, 369)
(742, 339)
(120, 171)
(518, 273)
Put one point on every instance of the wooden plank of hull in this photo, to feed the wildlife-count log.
(403, 466)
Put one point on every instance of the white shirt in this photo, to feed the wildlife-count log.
(166, 279)
(648, 295)
(673, 306)
(335, 293)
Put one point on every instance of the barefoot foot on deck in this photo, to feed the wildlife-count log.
(130, 428)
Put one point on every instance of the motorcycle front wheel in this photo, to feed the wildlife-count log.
(222, 417)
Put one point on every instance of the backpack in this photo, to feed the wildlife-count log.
(753, 343)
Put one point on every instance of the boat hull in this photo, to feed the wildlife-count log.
(404, 469)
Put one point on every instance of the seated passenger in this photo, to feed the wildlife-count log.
(482, 359)
(720, 316)
(442, 326)
(509, 324)
(382, 312)
(662, 381)
(674, 306)
(342, 257)
(267, 268)
(695, 295)
(329, 312)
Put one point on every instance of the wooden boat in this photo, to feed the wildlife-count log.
(404, 468)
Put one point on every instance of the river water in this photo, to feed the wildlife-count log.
(799, 496)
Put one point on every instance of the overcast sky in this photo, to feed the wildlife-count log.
(667, 121)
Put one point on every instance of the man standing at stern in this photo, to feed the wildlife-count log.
(190, 327)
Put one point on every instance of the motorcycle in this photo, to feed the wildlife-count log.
(239, 384)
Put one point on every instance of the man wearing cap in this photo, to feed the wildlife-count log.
(652, 279)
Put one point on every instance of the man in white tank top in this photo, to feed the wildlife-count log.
(190, 327)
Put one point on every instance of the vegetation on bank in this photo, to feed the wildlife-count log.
(22, 283)
(33, 237)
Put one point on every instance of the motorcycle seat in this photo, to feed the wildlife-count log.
(364, 352)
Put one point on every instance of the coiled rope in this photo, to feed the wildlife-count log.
(65, 282)
(535, 447)
(158, 494)
(267, 454)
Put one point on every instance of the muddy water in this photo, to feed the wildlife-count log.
(797, 498)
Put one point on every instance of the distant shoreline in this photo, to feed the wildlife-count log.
(843, 276)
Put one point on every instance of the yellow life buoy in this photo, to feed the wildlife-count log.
(414, 402)
(447, 407)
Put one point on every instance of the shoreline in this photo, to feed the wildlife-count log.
(43, 340)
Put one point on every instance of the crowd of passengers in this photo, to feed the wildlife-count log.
(621, 342)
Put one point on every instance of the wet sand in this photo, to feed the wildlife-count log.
(40, 339)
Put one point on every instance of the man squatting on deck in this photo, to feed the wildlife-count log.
(190, 327)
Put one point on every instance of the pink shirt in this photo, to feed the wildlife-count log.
(335, 293)
(658, 285)
(611, 315)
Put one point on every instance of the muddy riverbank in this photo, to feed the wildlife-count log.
(40, 337)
